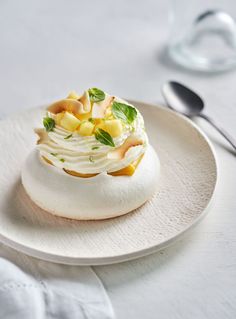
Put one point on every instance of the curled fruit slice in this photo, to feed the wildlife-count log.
(42, 136)
(85, 100)
(69, 105)
(80, 106)
(78, 174)
(120, 152)
(99, 108)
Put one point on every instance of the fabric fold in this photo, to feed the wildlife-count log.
(31, 288)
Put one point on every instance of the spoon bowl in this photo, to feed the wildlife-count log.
(183, 100)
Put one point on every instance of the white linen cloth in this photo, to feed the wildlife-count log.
(31, 288)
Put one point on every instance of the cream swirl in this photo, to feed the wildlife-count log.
(86, 154)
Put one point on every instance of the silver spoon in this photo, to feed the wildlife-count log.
(183, 100)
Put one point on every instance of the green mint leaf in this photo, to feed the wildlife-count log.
(62, 160)
(124, 112)
(104, 137)
(67, 137)
(54, 154)
(96, 95)
(95, 148)
(49, 123)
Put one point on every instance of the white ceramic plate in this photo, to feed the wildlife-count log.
(188, 178)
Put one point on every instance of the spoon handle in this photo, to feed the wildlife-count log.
(222, 131)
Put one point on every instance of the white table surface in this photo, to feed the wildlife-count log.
(51, 47)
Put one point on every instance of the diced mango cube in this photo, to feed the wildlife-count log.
(58, 118)
(73, 95)
(69, 122)
(97, 121)
(84, 116)
(100, 124)
(113, 127)
(86, 128)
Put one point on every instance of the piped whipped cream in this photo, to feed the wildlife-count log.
(87, 155)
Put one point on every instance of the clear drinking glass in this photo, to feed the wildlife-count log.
(203, 34)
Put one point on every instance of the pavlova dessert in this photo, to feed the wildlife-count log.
(92, 160)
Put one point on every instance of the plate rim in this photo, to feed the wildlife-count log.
(105, 260)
